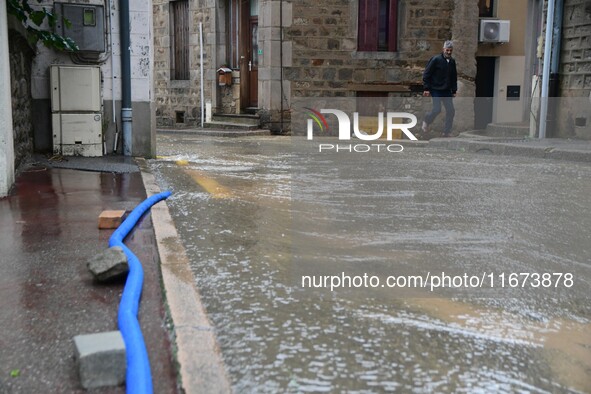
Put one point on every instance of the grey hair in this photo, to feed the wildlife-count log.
(448, 44)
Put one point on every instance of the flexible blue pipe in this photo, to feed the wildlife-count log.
(138, 375)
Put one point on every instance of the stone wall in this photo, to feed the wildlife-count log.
(181, 96)
(320, 56)
(21, 58)
(326, 62)
(575, 71)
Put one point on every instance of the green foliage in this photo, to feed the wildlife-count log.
(32, 19)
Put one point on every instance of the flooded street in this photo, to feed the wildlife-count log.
(326, 272)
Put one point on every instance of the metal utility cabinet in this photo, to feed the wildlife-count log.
(76, 110)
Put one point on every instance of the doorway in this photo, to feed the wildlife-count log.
(249, 53)
(485, 91)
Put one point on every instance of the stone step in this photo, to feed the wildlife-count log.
(229, 125)
(507, 129)
(245, 119)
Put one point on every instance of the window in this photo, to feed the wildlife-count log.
(179, 40)
(378, 25)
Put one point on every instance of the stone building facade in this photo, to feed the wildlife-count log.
(315, 48)
(178, 99)
(304, 48)
(574, 108)
(328, 62)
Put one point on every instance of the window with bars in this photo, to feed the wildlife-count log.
(179, 40)
(378, 25)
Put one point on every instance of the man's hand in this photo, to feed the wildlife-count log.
(426, 93)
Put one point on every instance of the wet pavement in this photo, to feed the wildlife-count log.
(47, 295)
(257, 215)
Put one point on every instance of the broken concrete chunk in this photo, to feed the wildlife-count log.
(100, 359)
(109, 264)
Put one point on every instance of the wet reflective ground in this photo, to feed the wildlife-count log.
(258, 214)
(48, 295)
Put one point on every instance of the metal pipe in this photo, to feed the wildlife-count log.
(546, 69)
(126, 112)
(554, 82)
(281, 61)
(557, 31)
(201, 66)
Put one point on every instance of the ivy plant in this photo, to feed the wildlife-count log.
(32, 19)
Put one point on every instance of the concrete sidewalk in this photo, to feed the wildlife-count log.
(549, 148)
(47, 295)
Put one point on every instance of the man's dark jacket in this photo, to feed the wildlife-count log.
(441, 74)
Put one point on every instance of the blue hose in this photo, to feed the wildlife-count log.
(138, 375)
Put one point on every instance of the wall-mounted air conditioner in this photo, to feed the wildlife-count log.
(494, 30)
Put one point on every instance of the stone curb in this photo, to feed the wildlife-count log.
(512, 149)
(201, 366)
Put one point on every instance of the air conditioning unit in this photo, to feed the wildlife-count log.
(494, 30)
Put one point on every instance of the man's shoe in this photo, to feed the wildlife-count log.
(446, 135)
(425, 127)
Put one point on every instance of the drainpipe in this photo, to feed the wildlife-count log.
(281, 60)
(201, 72)
(126, 113)
(555, 64)
(546, 69)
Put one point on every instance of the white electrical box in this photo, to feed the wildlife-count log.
(77, 134)
(75, 88)
(76, 110)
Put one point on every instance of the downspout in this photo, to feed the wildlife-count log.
(281, 60)
(555, 65)
(546, 69)
(201, 72)
(126, 113)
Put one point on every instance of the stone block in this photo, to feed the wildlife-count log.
(110, 219)
(109, 264)
(100, 359)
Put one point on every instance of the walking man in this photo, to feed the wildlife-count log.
(440, 81)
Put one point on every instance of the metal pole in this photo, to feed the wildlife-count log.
(126, 112)
(201, 63)
(546, 69)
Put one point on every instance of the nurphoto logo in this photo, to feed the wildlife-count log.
(386, 122)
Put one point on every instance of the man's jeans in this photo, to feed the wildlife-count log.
(447, 99)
